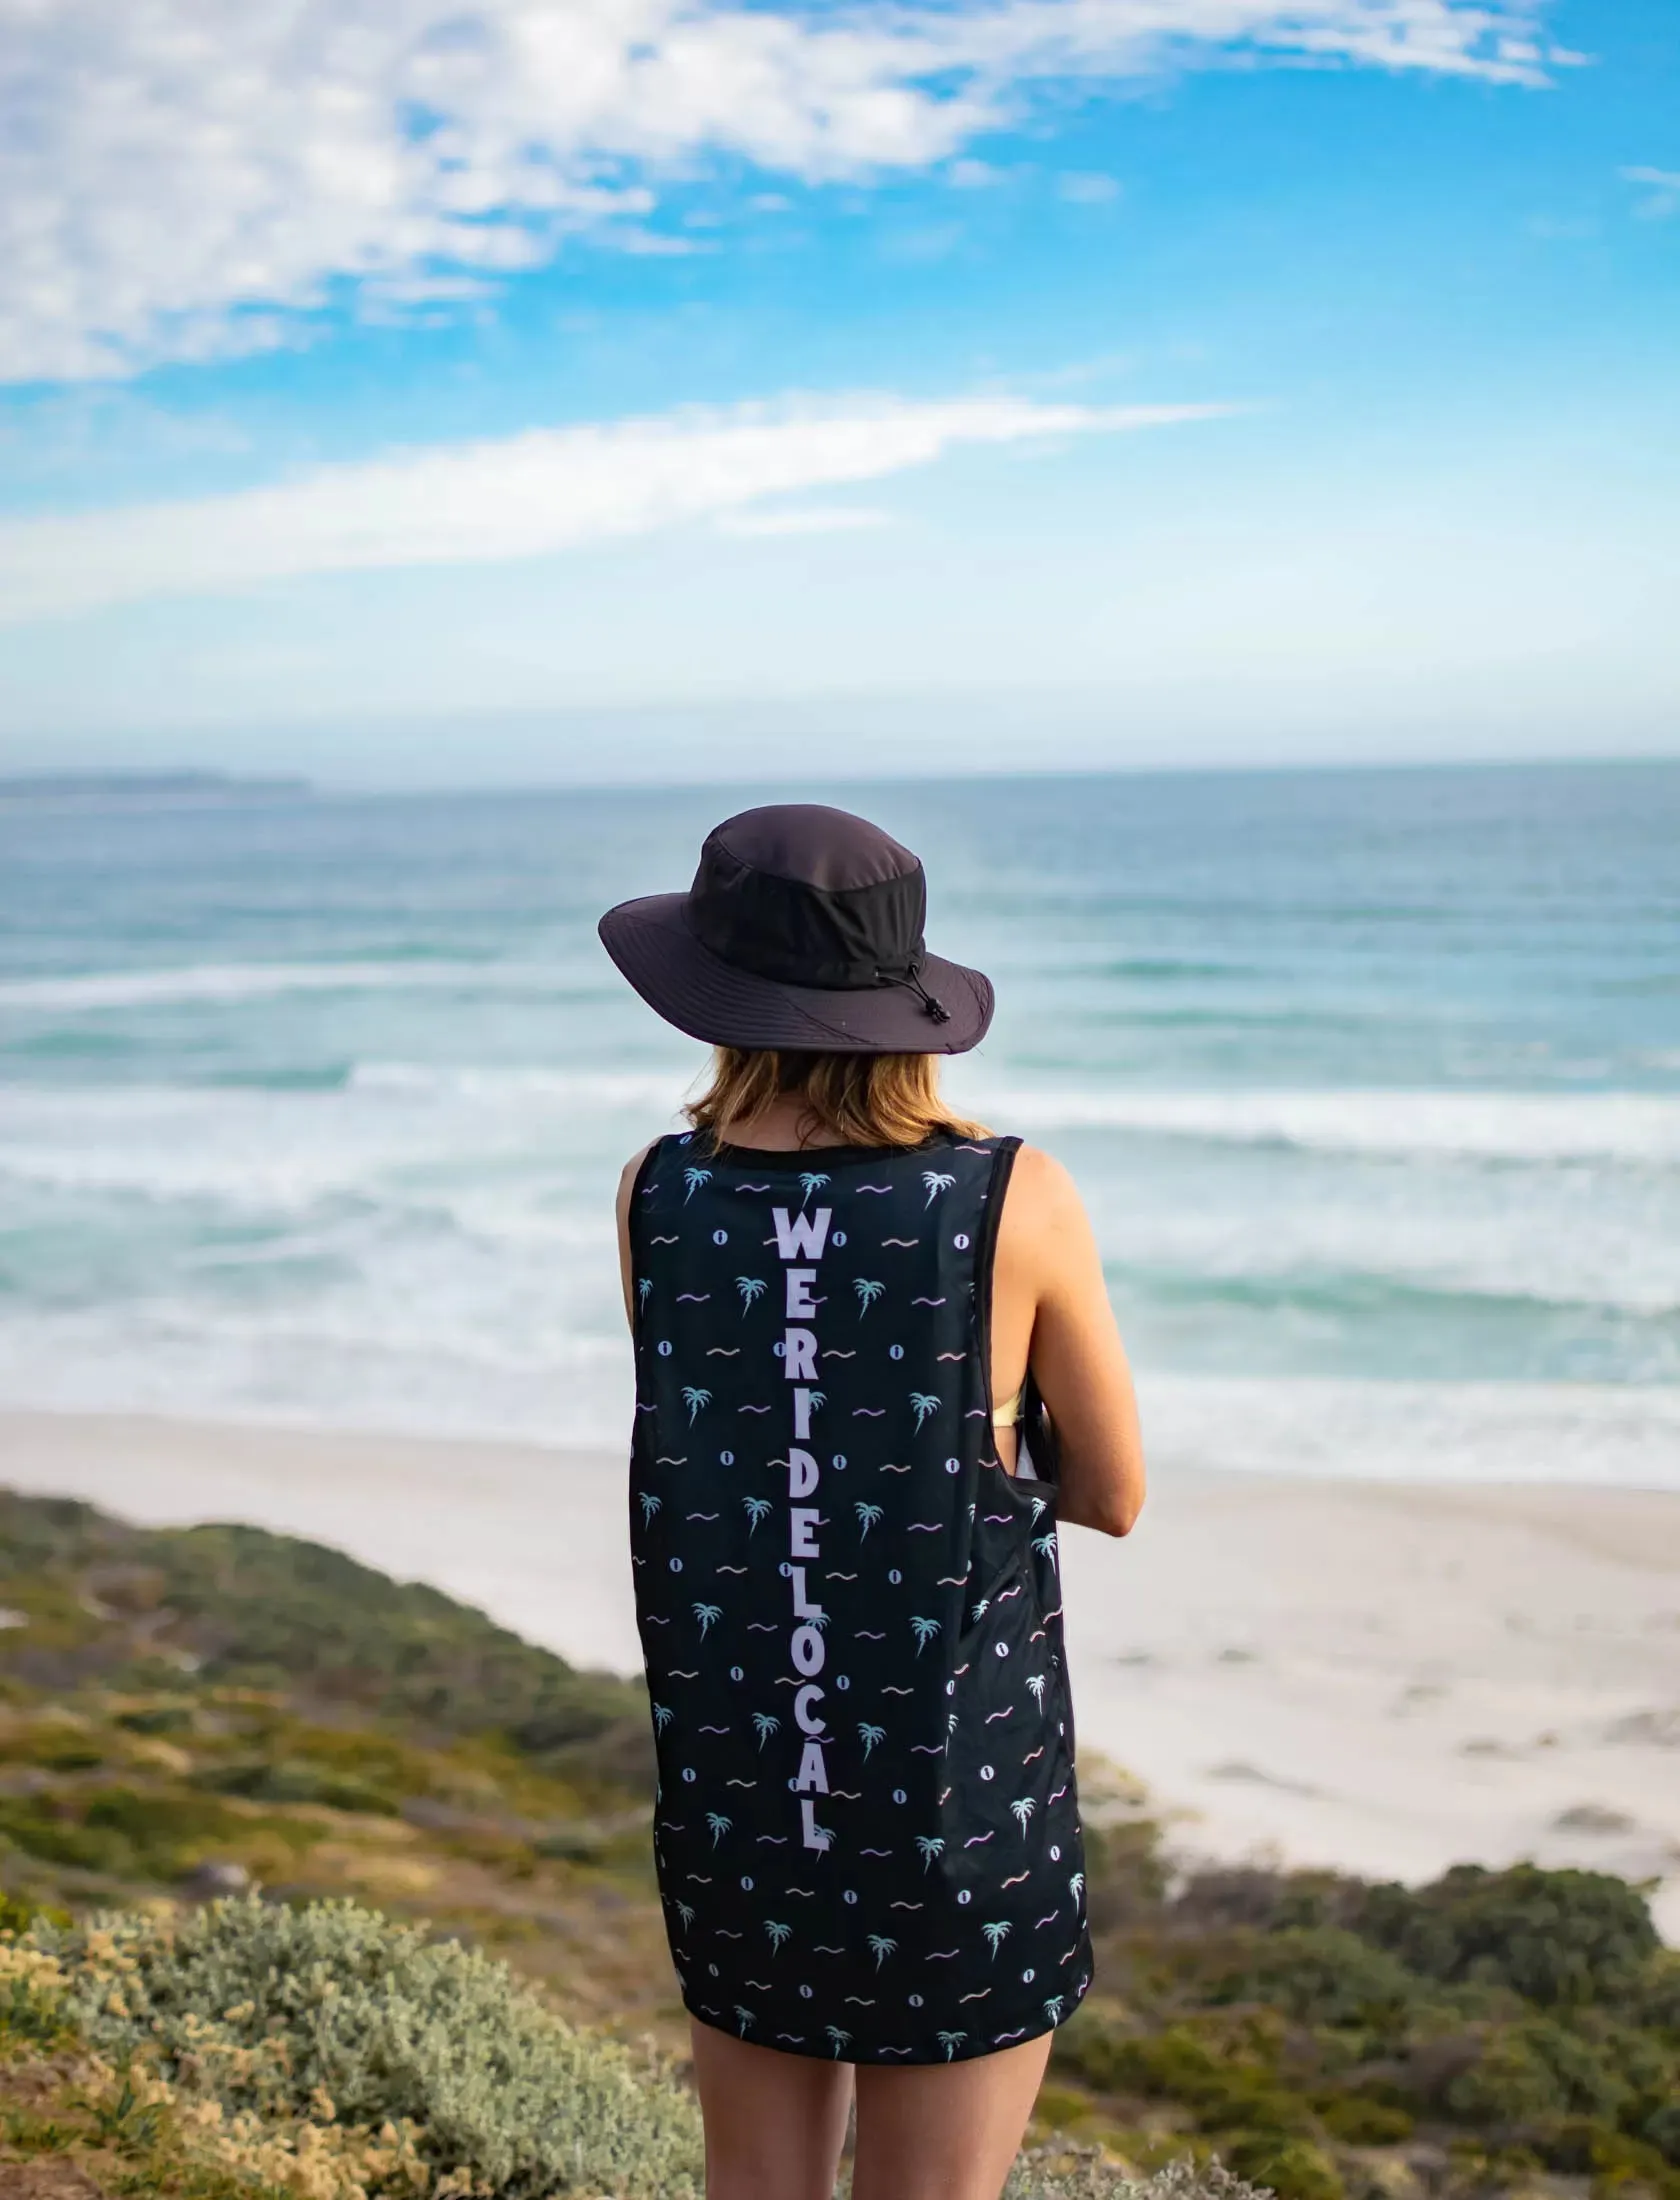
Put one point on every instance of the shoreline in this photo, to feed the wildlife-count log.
(1389, 1677)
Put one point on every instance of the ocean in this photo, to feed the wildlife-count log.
(312, 1106)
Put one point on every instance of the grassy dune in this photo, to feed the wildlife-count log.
(182, 1711)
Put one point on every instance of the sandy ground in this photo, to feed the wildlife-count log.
(1388, 1677)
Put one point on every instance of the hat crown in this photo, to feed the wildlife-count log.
(808, 844)
(809, 896)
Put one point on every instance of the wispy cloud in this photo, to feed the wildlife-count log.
(522, 496)
(1084, 187)
(1661, 191)
(184, 179)
(806, 519)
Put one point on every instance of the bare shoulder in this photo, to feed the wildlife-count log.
(1041, 1192)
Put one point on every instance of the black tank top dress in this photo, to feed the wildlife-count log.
(867, 1831)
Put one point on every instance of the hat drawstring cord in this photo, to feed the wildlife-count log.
(930, 1001)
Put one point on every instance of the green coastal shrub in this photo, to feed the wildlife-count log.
(1359, 2120)
(118, 1830)
(297, 1780)
(1534, 2073)
(1658, 2000)
(1320, 1975)
(258, 1611)
(275, 2010)
(1662, 2130)
(1559, 1938)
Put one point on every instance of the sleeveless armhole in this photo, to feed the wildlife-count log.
(986, 1255)
(636, 1189)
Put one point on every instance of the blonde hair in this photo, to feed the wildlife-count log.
(858, 1099)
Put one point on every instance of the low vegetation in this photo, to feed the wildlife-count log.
(327, 2051)
(250, 2050)
(1326, 2036)
(184, 1712)
(190, 1711)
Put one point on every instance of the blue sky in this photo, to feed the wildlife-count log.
(602, 388)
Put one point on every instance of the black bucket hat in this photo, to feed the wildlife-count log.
(802, 931)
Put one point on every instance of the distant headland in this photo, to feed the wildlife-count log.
(146, 790)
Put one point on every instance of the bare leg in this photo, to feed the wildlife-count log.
(945, 2132)
(775, 2123)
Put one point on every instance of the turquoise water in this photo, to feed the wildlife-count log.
(311, 1109)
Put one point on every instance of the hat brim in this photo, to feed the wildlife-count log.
(710, 999)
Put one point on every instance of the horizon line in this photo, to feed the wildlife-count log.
(281, 787)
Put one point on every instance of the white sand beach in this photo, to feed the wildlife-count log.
(1388, 1677)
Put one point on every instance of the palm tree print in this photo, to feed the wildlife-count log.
(661, 1717)
(744, 2018)
(931, 1846)
(950, 2041)
(757, 1510)
(685, 1910)
(811, 1181)
(869, 1735)
(840, 2038)
(776, 1934)
(644, 1289)
(1045, 1545)
(765, 1724)
(695, 1398)
(936, 1181)
(717, 1825)
(1076, 1885)
(867, 1293)
(650, 1505)
(924, 1631)
(694, 1178)
(869, 1516)
(708, 1615)
(996, 1932)
(1036, 1685)
(752, 1289)
(1023, 1808)
(1053, 2008)
(880, 1947)
(922, 1403)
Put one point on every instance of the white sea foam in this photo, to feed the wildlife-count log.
(357, 1166)
(229, 984)
(393, 1135)
(355, 1365)
(1603, 1434)
(509, 1086)
(1639, 1127)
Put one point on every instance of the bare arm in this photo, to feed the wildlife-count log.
(1050, 1286)
(626, 1187)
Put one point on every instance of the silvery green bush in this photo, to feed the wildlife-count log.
(284, 2010)
(1066, 2171)
(333, 2011)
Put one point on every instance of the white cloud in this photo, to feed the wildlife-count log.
(975, 175)
(805, 519)
(181, 179)
(1662, 191)
(523, 496)
(1083, 187)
